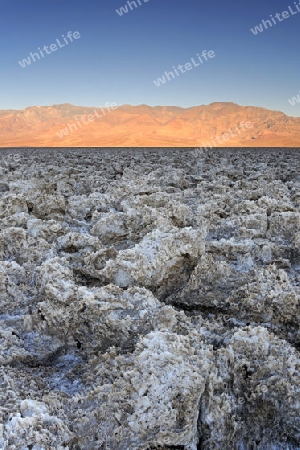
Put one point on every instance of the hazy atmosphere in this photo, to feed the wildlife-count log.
(119, 54)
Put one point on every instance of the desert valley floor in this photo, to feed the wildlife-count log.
(149, 299)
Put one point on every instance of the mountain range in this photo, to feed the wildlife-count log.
(221, 124)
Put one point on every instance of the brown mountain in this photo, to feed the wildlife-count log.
(67, 125)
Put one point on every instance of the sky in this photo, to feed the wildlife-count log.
(116, 58)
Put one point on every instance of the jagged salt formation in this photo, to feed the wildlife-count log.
(149, 299)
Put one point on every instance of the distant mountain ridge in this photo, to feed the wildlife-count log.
(67, 125)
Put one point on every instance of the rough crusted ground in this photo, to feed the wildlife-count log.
(149, 299)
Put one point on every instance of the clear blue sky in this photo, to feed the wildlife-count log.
(117, 57)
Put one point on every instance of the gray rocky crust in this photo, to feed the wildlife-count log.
(149, 299)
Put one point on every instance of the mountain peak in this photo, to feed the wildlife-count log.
(217, 124)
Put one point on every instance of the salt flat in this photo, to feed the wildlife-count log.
(149, 299)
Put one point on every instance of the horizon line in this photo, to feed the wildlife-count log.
(150, 106)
